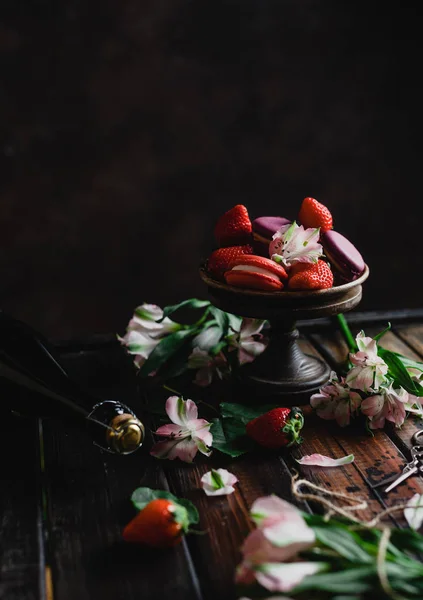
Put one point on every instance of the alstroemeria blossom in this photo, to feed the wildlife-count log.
(319, 460)
(249, 341)
(298, 245)
(186, 435)
(276, 576)
(219, 482)
(413, 513)
(144, 332)
(207, 366)
(336, 401)
(282, 524)
(388, 404)
(370, 370)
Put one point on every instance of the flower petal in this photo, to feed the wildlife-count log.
(218, 482)
(181, 411)
(281, 577)
(414, 512)
(208, 338)
(173, 430)
(320, 460)
(270, 507)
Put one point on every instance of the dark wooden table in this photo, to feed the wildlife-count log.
(64, 502)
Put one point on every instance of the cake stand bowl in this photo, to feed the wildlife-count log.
(283, 373)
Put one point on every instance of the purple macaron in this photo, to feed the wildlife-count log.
(342, 255)
(263, 230)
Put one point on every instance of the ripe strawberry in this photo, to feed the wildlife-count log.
(277, 428)
(314, 214)
(233, 228)
(220, 259)
(307, 276)
(160, 524)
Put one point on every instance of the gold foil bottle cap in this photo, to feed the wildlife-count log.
(126, 434)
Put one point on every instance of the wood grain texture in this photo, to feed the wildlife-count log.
(89, 504)
(21, 556)
(88, 490)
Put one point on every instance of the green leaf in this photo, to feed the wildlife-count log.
(190, 303)
(382, 333)
(399, 373)
(229, 437)
(217, 481)
(242, 412)
(346, 332)
(342, 541)
(348, 581)
(166, 348)
(222, 318)
(144, 495)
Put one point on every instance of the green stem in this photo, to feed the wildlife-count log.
(346, 332)
(169, 389)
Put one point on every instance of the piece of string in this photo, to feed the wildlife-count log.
(345, 511)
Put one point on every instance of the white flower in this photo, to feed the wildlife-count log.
(143, 332)
(292, 243)
(281, 577)
(186, 435)
(218, 482)
(370, 370)
(336, 401)
(414, 512)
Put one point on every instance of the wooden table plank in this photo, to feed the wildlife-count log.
(89, 503)
(22, 574)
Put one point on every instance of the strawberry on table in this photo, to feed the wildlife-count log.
(277, 428)
(234, 227)
(160, 524)
(314, 214)
(219, 260)
(309, 276)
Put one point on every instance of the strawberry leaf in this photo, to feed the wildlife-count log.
(144, 495)
(243, 413)
(229, 437)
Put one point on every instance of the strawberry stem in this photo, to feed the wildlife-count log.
(293, 426)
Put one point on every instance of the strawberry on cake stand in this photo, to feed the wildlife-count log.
(294, 282)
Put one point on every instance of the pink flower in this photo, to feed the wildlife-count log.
(388, 405)
(336, 401)
(292, 244)
(186, 435)
(281, 577)
(249, 341)
(370, 370)
(207, 366)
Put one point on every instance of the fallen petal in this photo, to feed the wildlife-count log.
(319, 460)
(414, 512)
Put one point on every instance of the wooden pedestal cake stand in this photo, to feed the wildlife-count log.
(283, 372)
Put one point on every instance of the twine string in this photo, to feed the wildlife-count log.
(356, 504)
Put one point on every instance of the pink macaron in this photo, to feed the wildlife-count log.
(255, 272)
(263, 230)
(343, 256)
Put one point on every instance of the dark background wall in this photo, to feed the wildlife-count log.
(127, 128)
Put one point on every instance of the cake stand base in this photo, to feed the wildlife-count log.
(283, 372)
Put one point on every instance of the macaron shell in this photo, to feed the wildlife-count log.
(252, 280)
(251, 260)
(267, 226)
(342, 254)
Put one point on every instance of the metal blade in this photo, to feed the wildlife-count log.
(402, 478)
(385, 481)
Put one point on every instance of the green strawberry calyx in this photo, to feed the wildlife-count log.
(293, 426)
